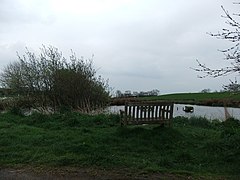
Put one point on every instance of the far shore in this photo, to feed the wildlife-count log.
(222, 99)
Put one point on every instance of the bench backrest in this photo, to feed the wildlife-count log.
(147, 112)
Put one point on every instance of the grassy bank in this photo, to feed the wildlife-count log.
(207, 99)
(198, 96)
(193, 147)
(211, 99)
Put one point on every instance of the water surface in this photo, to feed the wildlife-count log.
(208, 112)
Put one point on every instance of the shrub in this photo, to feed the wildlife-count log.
(51, 81)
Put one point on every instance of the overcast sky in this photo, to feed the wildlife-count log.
(138, 45)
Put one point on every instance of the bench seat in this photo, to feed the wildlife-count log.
(136, 113)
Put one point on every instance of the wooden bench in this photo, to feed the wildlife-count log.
(137, 113)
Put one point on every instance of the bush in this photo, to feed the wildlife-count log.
(193, 121)
(51, 81)
(200, 122)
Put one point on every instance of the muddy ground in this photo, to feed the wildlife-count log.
(82, 174)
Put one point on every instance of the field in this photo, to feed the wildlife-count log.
(200, 96)
(216, 98)
(208, 99)
(190, 148)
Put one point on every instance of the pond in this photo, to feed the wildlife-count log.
(208, 112)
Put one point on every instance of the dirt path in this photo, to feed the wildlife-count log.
(82, 174)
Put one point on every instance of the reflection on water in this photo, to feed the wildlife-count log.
(208, 112)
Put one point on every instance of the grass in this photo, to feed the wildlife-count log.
(215, 98)
(197, 96)
(191, 146)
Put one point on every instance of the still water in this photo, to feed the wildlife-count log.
(208, 112)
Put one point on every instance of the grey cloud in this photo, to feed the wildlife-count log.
(15, 12)
(142, 46)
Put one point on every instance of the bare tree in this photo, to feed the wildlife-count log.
(231, 54)
(206, 90)
(119, 93)
(233, 86)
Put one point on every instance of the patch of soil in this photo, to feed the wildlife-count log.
(82, 174)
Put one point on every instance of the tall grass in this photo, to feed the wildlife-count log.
(193, 146)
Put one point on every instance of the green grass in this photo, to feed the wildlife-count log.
(197, 96)
(191, 146)
(215, 98)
